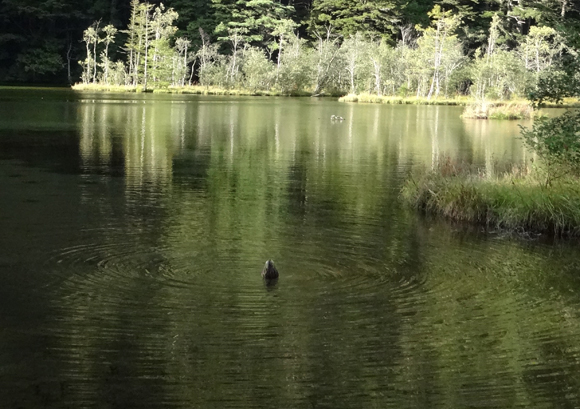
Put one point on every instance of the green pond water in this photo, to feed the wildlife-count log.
(133, 230)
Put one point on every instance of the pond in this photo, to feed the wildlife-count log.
(134, 228)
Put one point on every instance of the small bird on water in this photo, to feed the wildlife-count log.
(269, 272)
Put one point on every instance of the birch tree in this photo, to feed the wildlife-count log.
(439, 37)
(110, 32)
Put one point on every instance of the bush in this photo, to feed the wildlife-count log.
(557, 142)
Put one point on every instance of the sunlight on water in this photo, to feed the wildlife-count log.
(134, 229)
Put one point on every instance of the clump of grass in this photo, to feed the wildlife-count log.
(499, 110)
(516, 200)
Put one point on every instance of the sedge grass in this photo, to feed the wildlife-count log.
(516, 201)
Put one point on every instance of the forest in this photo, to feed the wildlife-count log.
(496, 49)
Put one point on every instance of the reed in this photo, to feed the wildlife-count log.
(515, 201)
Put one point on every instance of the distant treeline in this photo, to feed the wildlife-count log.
(421, 48)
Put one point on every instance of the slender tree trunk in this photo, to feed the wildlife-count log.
(537, 57)
(564, 5)
(146, 49)
(68, 60)
(191, 73)
(279, 59)
(89, 70)
(184, 67)
(95, 54)
(377, 68)
(106, 73)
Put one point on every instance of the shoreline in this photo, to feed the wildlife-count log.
(493, 109)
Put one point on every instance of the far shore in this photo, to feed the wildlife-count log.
(473, 109)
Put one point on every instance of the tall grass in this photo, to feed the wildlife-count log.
(516, 201)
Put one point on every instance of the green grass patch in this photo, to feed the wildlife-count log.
(516, 201)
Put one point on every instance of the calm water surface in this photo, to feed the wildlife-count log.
(133, 229)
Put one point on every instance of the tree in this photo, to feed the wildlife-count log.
(353, 48)
(162, 30)
(110, 32)
(283, 30)
(557, 140)
(91, 39)
(256, 21)
(207, 55)
(257, 69)
(236, 38)
(138, 41)
(326, 51)
(295, 72)
(439, 40)
(347, 17)
(181, 69)
(380, 54)
(539, 48)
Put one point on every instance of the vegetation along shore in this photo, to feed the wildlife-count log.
(542, 195)
(387, 51)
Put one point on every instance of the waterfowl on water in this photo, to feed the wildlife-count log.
(269, 272)
(336, 118)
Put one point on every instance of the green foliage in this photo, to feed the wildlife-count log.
(258, 22)
(347, 17)
(259, 48)
(41, 60)
(258, 71)
(558, 82)
(557, 142)
(295, 73)
(500, 75)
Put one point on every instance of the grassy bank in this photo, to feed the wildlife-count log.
(519, 109)
(376, 99)
(515, 201)
(194, 89)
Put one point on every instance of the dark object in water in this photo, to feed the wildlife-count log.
(269, 272)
